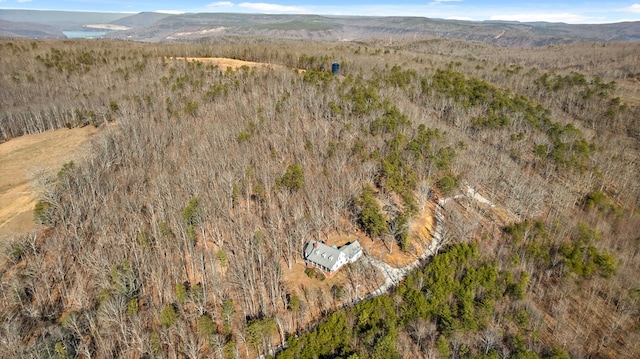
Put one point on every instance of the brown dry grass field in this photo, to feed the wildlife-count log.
(20, 159)
(224, 63)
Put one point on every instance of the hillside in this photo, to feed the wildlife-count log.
(140, 19)
(178, 231)
(196, 26)
(29, 30)
(221, 27)
(62, 20)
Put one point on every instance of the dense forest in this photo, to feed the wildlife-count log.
(176, 234)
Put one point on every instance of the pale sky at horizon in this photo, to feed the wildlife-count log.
(568, 11)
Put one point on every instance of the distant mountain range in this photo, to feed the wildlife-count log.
(158, 27)
(28, 29)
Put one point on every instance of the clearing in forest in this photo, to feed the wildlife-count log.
(389, 252)
(225, 63)
(24, 156)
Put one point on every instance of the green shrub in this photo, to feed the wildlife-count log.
(154, 342)
(113, 106)
(168, 316)
(583, 258)
(446, 184)
(310, 272)
(293, 178)
(243, 136)
(181, 293)
(293, 303)
(191, 213)
(206, 326)
(132, 306)
(259, 192)
(372, 219)
(222, 258)
(43, 213)
(443, 347)
(600, 201)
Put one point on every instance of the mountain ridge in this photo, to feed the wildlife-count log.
(29, 29)
(161, 27)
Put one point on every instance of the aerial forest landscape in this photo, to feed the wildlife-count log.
(162, 188)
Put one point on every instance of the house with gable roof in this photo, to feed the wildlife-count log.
(330, 259)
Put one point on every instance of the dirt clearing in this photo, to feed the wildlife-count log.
(222, 62)
(225, 63)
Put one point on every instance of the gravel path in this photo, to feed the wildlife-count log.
(392, 275)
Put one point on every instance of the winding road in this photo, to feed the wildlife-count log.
(392, 275)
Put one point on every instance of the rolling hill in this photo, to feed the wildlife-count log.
(191, 26)
(156, 27)
(62, 20)
(29, 30)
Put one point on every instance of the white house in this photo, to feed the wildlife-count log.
(330, 258)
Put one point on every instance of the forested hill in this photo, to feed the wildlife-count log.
(20, 29)
(179, 232)
(218, 26)
(221, 27)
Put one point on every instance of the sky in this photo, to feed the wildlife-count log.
(567, 11)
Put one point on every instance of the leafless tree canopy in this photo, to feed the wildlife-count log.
(186, 206)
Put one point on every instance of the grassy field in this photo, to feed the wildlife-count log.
(22, 158)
